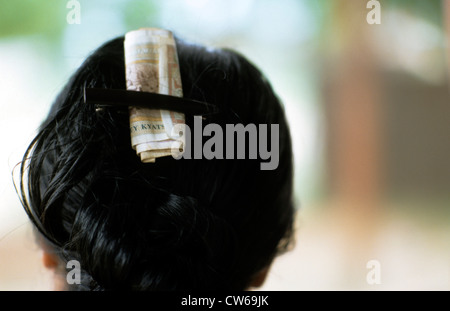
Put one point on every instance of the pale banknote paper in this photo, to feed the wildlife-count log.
(151, 64)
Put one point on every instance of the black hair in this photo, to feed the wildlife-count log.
(170, 225)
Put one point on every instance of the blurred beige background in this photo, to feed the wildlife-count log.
(368, 106)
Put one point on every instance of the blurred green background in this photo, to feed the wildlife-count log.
(368, 107)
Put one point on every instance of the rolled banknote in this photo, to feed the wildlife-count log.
(151, 64)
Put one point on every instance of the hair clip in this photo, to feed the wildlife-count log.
(102, 98)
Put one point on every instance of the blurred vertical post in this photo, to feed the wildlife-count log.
(353, 114)
(446, 10)
(353, 109)
(353, 117)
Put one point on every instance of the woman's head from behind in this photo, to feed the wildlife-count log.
(170, 225)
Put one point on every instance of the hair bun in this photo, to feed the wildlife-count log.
(142, 230)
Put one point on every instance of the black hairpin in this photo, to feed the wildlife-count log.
(123, 98)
